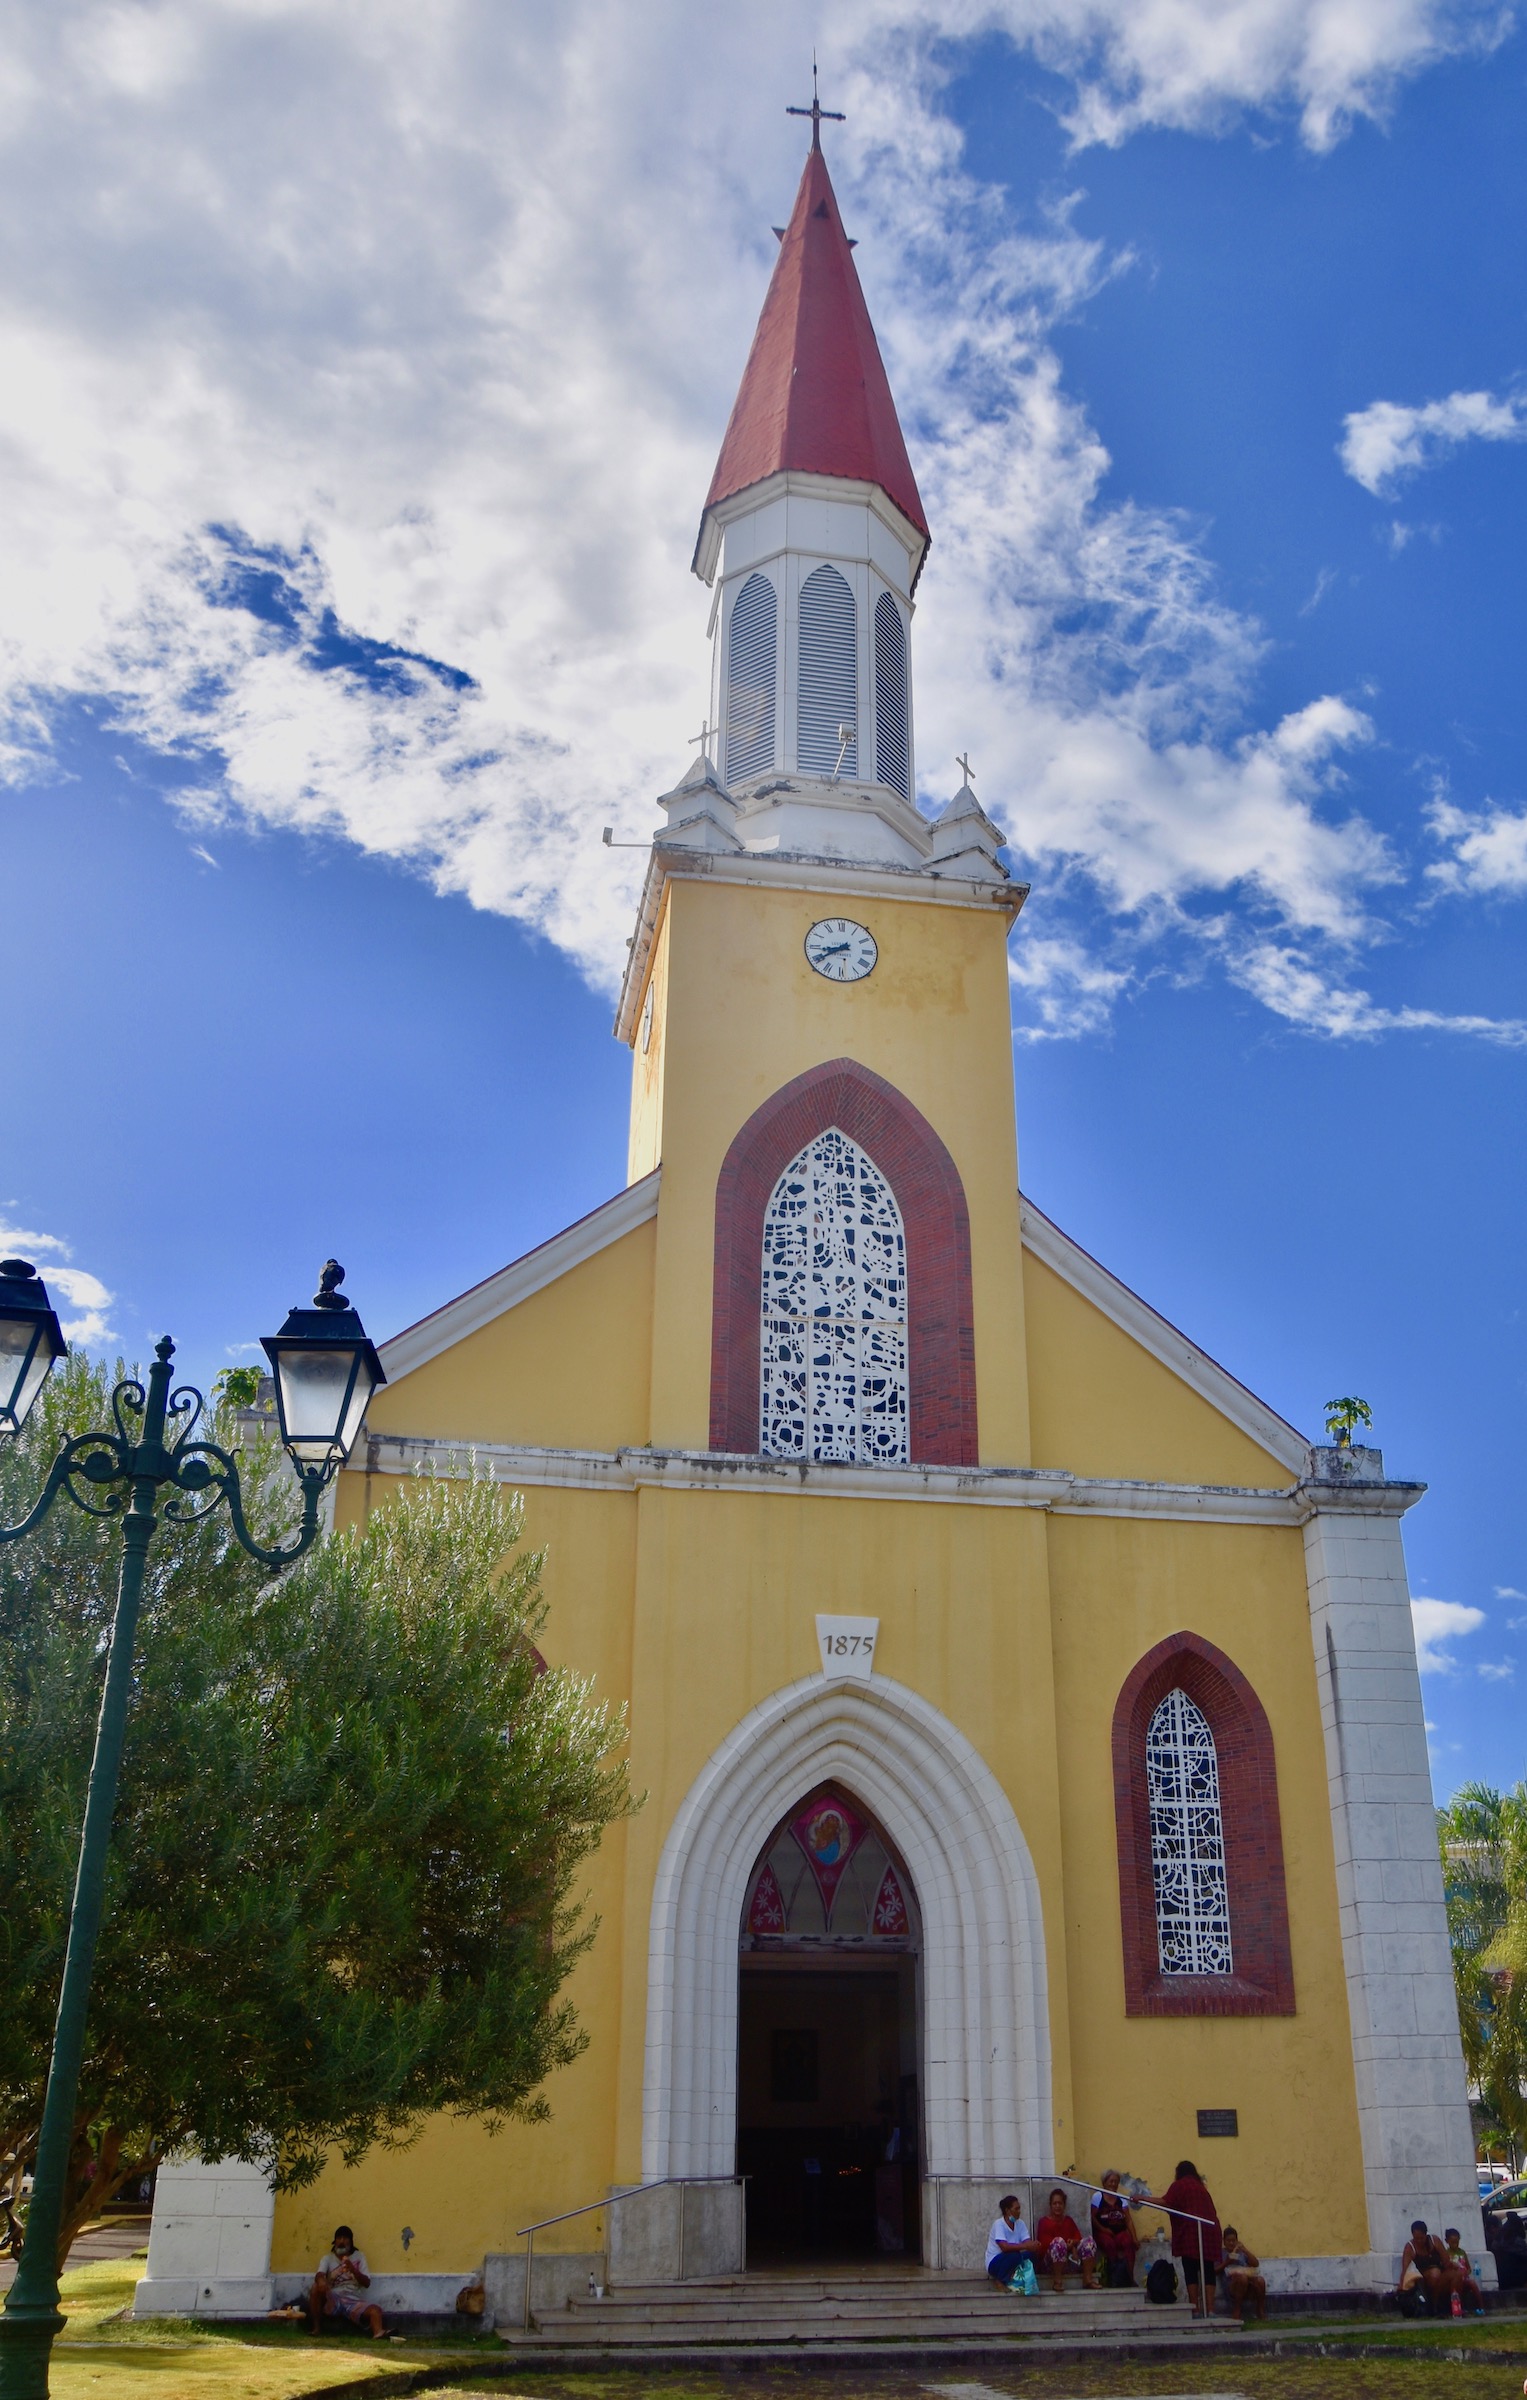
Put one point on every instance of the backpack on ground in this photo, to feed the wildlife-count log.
(1161, 2283)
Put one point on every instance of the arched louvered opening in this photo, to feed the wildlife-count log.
(752, 670)
(1187, 1841)
(828, 697)
(893, 750)
(834, 1334)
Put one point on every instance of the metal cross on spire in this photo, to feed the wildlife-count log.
(962, 761)
(816, 112)
(704, 737)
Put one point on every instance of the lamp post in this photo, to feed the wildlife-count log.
(325, 1372)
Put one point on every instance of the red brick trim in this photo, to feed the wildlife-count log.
(925, 1180)
(1263, 1983)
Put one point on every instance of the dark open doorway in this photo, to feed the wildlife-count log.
(827, 2087)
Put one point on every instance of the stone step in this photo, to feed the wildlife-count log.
(793, 2333)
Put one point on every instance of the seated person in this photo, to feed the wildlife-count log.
(1465, 2282)
(1063, 2244)
(1242, 2282)
(1426, 2272)
(1113, 2230)
(1510, 2249)
(1009, 2245)
(340, 2286)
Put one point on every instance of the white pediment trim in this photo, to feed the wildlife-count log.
(444, 1327)
(1134, 1316)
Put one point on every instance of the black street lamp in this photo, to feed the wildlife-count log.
(326, 1372)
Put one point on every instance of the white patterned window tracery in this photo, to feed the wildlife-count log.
(1187, 1841)
(834, 1331)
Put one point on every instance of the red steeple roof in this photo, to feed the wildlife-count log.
(814, 394)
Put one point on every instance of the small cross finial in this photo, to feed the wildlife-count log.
(704, 736)
(962, 761)
(816, 112)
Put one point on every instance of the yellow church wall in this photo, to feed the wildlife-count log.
(1101, 1405)
(728, 1588)
(645, 1150)
(745, 1014)
(567, 1368)
(461, 2190)
(1119, 1587)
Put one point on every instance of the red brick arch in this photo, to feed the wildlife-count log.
(926, 1182)
(1263, 1982)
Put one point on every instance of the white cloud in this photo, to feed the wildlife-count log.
(1067, 990)
(1385, 442)
(1498, 1671)
(1436, 1623)
(1287, 981)
(81, 1291)
(365, 371)
(1195, 63)
(1489, 849)
(1508, 1591)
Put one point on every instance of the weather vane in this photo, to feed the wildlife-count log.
(816, 112)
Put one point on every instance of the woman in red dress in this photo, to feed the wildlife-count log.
(1063, 2244)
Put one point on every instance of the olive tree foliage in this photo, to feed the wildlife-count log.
(354, 1808)
(1483, 1833)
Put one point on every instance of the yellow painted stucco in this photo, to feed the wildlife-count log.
(1020, 1625)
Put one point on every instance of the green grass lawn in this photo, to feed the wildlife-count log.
(102, 2356)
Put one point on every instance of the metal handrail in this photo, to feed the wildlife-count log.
(611, 2200)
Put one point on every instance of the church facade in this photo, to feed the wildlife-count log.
(1028, 1716)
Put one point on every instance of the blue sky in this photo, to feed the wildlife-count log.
(362, 391)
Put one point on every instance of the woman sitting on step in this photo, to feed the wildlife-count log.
(1063, 2244)
(1113, 2229)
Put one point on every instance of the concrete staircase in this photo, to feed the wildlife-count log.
(867, 2307)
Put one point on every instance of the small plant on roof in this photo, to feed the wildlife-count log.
(1343, 1418)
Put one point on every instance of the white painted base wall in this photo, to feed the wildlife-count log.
(209, 2242)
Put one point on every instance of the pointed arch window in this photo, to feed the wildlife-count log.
(827, 706)
(1187, 1841)
(752, 674)
(834, 1332)
(893, 749)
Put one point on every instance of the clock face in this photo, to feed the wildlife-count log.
(841, 950)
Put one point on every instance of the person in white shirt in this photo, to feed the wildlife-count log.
(1009, 2242)
(340, 2286)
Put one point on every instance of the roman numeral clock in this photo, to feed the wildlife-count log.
(841, 950)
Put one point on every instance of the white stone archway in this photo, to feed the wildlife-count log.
(986, 2037)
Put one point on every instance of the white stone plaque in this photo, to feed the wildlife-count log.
(847, 1645)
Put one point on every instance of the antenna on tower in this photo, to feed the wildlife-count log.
(816, 112)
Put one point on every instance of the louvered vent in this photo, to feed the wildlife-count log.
(751, 674)
(892, 749)
(828, 677)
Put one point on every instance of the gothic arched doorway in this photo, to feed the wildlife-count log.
(828, 2130)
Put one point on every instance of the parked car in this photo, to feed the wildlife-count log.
(1505, 2197)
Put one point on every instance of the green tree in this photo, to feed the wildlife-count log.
(1483, 1834)
(353, 1813)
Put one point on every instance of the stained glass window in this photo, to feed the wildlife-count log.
(834, 1333)
(827, 1875)
(1187, 1841)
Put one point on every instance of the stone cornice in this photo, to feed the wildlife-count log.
(1062, 1494)
(835, 878)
